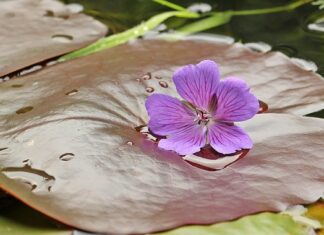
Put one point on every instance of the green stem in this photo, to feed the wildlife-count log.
(127, 35)
(170, 5)
(216, 19)
(220, 18)
(288, 7)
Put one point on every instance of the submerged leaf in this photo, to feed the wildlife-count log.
(33, 31)
(77, 155)
(261, 224)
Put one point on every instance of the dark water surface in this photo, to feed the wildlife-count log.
(295, 33)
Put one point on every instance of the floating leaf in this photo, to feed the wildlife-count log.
(113, 179)
(33, 31)
(316, 211)
(261, 224)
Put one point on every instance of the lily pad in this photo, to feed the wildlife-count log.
(33, 31)
(70, 148)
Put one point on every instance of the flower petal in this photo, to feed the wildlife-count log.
(187, 140)
(234, 101)
(226, 138)
(167, 114)
(197, 83)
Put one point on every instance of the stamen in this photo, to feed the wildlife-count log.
(202, 117)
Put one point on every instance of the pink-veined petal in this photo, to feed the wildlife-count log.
(167, 114)
(197, 83)
(234, 101)
(227, 138)
(187, 140)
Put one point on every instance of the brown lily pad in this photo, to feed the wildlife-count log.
(33, 31)
(72, 151)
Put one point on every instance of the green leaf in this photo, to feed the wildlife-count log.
(217, 19)
(170, 5)
(19, 219)
(261, 224)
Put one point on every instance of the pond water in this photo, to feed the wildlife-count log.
(298, 33)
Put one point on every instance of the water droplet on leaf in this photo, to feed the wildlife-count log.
(66, 156)
(149, 89)
(24, 110)
(72, 92)
(130, 143)
(143, 129)
(27, 163)
(163, 84)
(209, 159)
(62, 38)
(32, 177)
(147, 76)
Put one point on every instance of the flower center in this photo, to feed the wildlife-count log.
(203, 117)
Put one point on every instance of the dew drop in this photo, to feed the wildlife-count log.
(24, 110)
(63, 38)
(27, 162)
(147, 76)
(149, 89)
(130, 143)
(163, 84)
(72, 92)
(66, 156)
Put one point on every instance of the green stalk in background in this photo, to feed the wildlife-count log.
(219, 18)
(127, 35)
(214, 19)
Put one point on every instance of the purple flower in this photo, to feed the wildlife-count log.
(208, 113)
